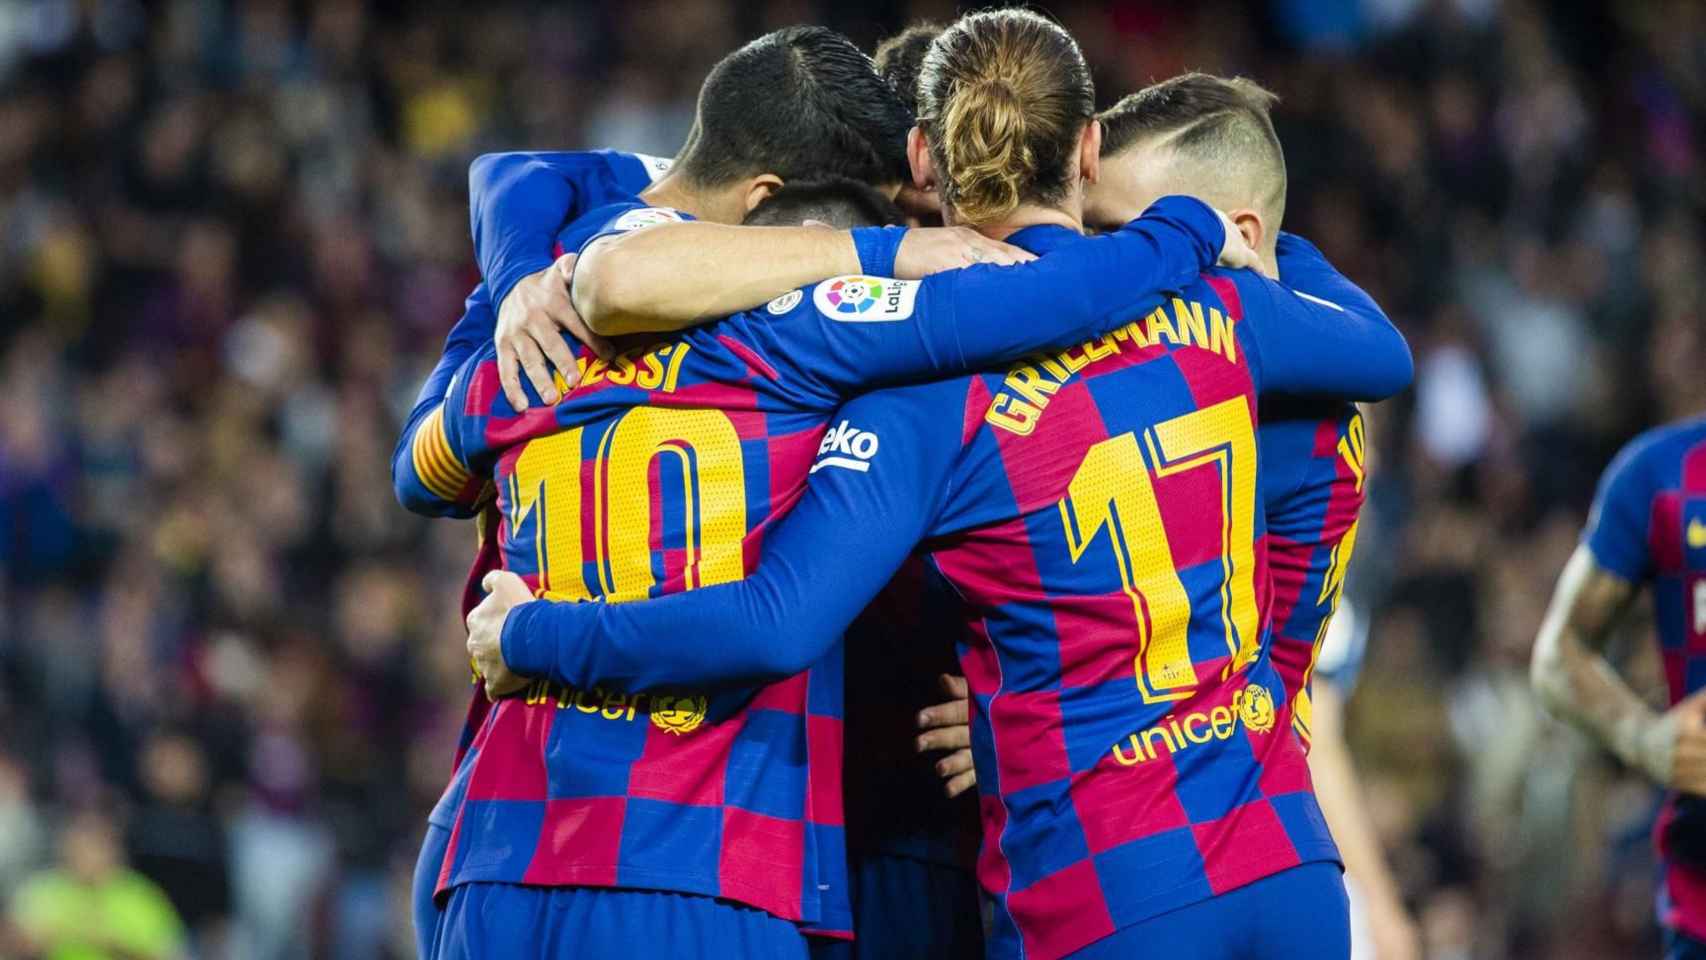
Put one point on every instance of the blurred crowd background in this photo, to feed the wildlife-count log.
(234, 232)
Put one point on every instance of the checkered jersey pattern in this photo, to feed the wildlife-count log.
(659, 473)
(1101, 806)
(1312, 491)
(1648, 526)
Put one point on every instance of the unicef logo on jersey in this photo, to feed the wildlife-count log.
(861, 299)
(1252, 709)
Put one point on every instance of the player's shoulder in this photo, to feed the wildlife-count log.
(863, 298)
(932, 410)
(849, 298)
(918, 424)
(1248, 292)
(1657, 450)
(632, 166)
(628, 214)
(623, 215)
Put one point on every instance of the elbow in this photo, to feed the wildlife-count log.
(792, 650)
(780, 661)
(1404, 364)
(484, 172)
(1547, 676)
(1393, 367)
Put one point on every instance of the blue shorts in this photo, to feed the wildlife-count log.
(506, 920)
(907, 909)
(1297, 914)
(426, 878)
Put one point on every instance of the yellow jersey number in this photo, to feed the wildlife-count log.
(1114, 488)
(698, 450)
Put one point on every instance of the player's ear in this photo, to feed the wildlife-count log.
(1249, 223)
(918, 155)
(759, 189)
(1090, 151)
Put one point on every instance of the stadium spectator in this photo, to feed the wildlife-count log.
(92, 905)
(233, 234)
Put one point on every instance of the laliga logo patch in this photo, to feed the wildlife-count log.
(860, 299)
(785, 302)
(1256, 708)
(641, 217)
(679, 715)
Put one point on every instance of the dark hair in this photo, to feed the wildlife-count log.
(901, 57)
(1217, 123)
(800, 102)
(837, 201)
(1003, 98)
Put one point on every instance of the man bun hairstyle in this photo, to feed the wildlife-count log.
(800, 102)
(1003, 97)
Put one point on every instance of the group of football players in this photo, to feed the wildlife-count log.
(758, 461)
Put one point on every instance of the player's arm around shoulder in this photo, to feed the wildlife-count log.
(1315, 332)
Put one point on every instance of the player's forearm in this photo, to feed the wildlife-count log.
(731, 635)
(425, 477)
(1577, 684)
(1342, 803)
(1081, 291)
(1333, 339)
(675, 275)
(1581, 688)
(516, 204)
(782, 618)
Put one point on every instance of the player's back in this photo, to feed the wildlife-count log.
(1313, 474)
(1103, 527)
(658, 473)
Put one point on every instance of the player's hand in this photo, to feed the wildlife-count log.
(504, 592)
(1684, 727)
(531, 322)
(1392, 932)
(947, 726)
(1235, 251)
(928, 250)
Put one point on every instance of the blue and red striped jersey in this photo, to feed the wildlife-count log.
(1096, 510)
(1648, 526)
(659, 473)
(1312, 492)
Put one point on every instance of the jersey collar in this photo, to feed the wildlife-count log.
(1043, 237)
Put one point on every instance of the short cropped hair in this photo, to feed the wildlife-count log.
(901, 57)
(837, 201)
(1222, 125)
(802, 103)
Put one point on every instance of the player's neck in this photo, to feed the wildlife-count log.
(677, 192)
(1030, 215)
